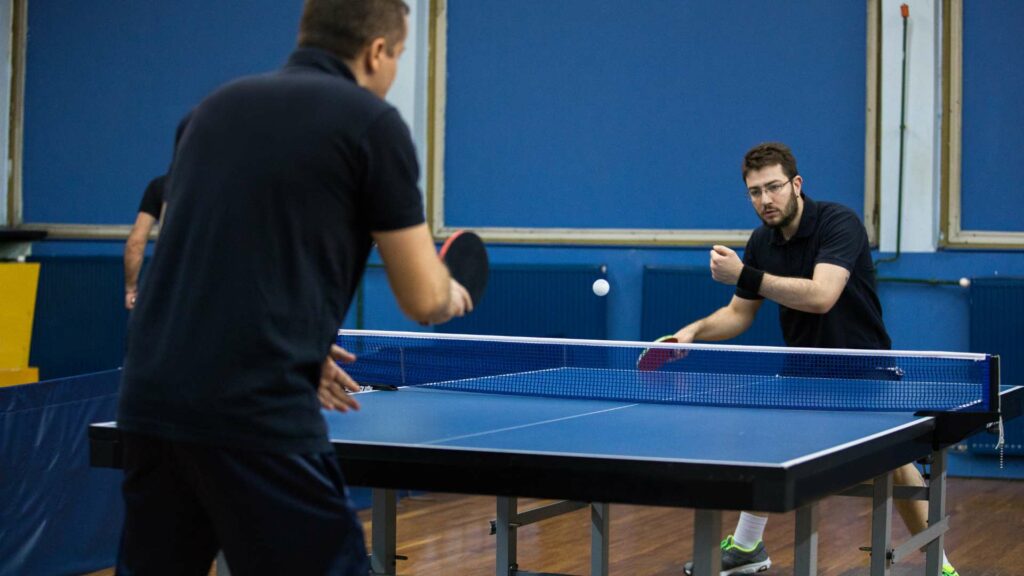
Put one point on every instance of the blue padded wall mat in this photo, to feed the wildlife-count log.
(538, 300)
(57, 514)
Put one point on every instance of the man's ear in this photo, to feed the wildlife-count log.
(798, 184)
(374, 53)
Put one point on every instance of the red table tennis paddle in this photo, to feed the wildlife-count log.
(654, 358)
(466, 257)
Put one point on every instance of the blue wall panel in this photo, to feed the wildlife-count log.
(997, 327)
(674, 297)
(374, 306)
(538, 300)
(80, 321)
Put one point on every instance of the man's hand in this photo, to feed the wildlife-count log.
(459, 303)
(335, 383)
(685, 335)
(129, 298)
(725, 265)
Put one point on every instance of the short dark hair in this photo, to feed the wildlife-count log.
(770, 154)
(344, 27)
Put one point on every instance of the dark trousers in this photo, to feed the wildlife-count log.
(269, 513)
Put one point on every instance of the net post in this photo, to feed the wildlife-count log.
(993, 384)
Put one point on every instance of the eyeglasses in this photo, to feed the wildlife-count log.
(773, 189)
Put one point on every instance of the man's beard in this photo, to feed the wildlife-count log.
(788, 214)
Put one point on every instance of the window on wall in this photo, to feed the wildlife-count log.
(626, 121)
(108, 82)
(9, 83)
(982, 81)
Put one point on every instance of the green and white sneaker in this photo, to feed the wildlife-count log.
(948, 570)
(737, 560)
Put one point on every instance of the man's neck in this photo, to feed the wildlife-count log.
(357, 72)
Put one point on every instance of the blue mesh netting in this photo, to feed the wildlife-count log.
(703, 375)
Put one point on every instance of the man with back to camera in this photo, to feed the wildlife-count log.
(279, 186)
(814, 260)
(135, 246)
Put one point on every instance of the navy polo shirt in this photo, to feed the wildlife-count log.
(277, 182)
(832, 234)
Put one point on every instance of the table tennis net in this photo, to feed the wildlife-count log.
(737, 376)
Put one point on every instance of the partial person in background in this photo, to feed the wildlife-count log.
(279, 187)
(150, 210)
(813, 259)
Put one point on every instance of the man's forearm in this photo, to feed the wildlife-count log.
(801, 294)
(134, 251)
(720, 325)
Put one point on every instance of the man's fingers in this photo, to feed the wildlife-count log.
(341, 355)
(459, 303)
(346, 381)
(719, 249)
(335, 383)
(336, 400)
(467, 301)
(338, 377)
(332, 392)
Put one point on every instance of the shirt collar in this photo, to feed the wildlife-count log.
(319, 59)
(808, 222)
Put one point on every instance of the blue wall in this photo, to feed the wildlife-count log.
(108, 86)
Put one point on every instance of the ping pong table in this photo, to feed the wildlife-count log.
(711, 458)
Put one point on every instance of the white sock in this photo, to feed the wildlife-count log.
(749, 530)
(944, 559)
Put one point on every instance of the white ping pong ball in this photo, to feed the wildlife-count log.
(965, 282)
(601, 287)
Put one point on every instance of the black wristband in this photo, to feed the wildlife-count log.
(750, 279)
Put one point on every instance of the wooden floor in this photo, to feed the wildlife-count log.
(445, 534)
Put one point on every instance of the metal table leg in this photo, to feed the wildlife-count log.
(385, 540)
(600, 525)
(936, 512)
(881, 525)
(505, 530)
(805, 552)
(707, 534)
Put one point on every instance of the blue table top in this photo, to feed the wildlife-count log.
(421, 437)
(422, 416)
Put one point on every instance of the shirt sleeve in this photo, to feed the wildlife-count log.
(749, 259)
(392, 194)
(842, 239)
(153, 199)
